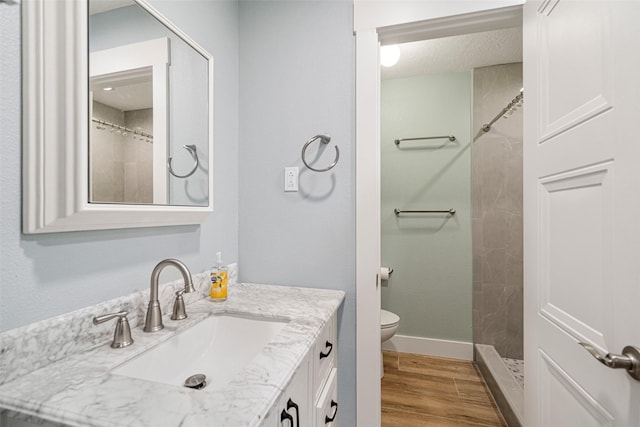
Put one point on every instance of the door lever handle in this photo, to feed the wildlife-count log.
(629, 359)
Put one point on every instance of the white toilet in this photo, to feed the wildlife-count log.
(388, 326)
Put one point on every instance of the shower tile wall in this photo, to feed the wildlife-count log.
(107, 153)
(121, 167)
(497, 212)
(138, 160)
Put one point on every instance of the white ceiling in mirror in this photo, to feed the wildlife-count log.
(125, 95)
(99, 6)
(457, 53)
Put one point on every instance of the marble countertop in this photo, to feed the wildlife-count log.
(79, 390)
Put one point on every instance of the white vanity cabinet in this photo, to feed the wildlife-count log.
(326, 410)
(294, 408)
(311, 399)
(324, 356)
(324, 389)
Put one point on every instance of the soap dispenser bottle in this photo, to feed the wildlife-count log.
(219, 279)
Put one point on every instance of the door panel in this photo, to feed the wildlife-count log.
(568, 94)
(575, 239)
(568, 404)
(582, 210)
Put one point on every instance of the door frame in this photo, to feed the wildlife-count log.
(375, 24)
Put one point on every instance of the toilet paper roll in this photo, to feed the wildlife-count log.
(385, 272)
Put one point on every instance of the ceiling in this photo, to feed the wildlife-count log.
(99, 6)
(130, 97)
(457, 53)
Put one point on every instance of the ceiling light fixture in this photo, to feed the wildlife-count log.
(389, 55)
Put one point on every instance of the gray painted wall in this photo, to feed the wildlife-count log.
(497, 212)
(297, 80)
(47, 275)
(430, 288)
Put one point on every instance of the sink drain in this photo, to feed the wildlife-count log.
(197, 381)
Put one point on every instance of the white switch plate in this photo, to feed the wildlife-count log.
(291, 178)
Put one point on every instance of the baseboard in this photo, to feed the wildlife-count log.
(430, 347)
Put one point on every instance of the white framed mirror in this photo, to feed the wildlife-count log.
(64, 117)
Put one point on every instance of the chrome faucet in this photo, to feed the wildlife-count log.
(153, 320)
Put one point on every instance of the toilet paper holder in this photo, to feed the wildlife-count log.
(385, 272)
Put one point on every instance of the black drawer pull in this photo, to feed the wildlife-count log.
(330, 347)
(328, 420)
(292, 404)
(284, 415)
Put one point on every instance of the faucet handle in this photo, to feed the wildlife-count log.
(179, 311)
(122, 333)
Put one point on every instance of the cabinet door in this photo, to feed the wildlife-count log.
(327, 406)
(295, 408)
(324, 356)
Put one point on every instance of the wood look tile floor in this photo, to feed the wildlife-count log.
(424, 391)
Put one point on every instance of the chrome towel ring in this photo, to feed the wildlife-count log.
(325, 140)
(191, 148)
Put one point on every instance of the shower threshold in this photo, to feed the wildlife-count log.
(516, 367)
(505, 381)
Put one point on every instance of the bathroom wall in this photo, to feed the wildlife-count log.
(46, 275)
(297, 80)
(430, 288)
(497, 212)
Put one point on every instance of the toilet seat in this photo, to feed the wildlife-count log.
(388, 319)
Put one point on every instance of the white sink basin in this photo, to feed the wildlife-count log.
(219, 347)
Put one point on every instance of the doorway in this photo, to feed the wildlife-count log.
(374, 24)
(451, 203)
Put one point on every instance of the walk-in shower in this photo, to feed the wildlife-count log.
(497, 234)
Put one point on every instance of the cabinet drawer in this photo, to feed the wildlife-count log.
(327, 406)
(324, 356)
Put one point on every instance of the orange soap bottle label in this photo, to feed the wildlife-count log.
(218, 290)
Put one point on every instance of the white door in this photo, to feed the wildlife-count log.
(582, 210)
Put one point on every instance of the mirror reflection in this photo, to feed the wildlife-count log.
(121, 139)
(149, 110)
